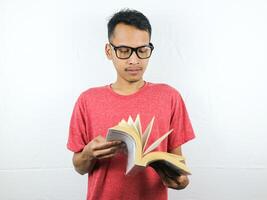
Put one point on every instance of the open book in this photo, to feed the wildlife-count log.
(130, 132)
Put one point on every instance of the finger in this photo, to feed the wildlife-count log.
(123, 146)
(160, 172)
(169, 182)
(104, 152)
(183, 180)
(172, 185)
(106, 156)
(101, 139)
(106, 145)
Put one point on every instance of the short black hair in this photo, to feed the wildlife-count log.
(129, 17)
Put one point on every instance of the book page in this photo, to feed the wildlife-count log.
(137, 124)
(146, 134)
(157, 142)
(130, 143)
(127, 128)
(133, 125)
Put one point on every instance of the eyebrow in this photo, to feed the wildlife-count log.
(129, 46)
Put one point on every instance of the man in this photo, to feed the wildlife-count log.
(99, 108)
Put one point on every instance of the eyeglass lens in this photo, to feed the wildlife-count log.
(126, 52)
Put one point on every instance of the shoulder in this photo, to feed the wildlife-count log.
(164, 88)
(92, 93)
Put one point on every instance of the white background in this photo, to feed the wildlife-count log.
(214, 52)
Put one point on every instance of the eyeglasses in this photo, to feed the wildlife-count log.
(125, 52)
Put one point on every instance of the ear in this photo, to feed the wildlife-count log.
(108, 51)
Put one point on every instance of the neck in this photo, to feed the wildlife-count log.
(126, 87)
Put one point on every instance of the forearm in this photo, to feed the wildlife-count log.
(83, 163)
(177, 182)
(170, 178)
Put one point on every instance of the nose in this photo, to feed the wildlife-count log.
(133, 59)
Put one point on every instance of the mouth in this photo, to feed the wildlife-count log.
(133, 70)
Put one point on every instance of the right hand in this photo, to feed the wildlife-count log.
(99, 148)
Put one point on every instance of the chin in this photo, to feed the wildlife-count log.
(133, 80)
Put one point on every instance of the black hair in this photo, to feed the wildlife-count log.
(129, 17)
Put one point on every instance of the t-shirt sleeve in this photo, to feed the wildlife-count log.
(180, 123)
(77, 128)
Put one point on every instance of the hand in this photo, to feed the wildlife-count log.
(170, 180)
(99, 148)
(123, 148)
(178, 183)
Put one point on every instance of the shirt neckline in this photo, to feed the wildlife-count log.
(139, 91)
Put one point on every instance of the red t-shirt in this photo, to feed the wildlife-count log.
(100, 108)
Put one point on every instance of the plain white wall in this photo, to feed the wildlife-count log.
(214, 52)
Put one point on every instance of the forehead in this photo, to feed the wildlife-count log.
(129, 35)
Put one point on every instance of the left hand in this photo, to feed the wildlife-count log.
(179, 182)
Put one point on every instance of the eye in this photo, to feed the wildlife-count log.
(123, 50)
(143, 49)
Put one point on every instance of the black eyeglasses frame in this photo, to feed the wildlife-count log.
(150, 45)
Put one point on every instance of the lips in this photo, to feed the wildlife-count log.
(133, 71)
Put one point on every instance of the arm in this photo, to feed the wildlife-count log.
(98, 148)
(179, 182)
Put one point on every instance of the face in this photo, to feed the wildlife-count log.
(133, 68)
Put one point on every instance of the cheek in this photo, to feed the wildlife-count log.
(120, 65)
(144, 63)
